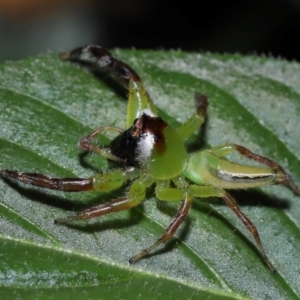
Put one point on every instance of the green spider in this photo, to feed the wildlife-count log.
(150, 152)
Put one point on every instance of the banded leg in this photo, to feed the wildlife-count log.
(170, 231)
(62, 184)
(281, 176)
(135, 197)
(86, 143)
(187, 128)
(204, 191)
(98, 183)
(103, 60)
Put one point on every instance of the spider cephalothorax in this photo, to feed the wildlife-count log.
(150, 152)
(136, 144)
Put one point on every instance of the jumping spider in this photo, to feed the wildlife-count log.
(150, 152)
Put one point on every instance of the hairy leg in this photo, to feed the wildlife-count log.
(281, 176)
(103, 60)
(99, 182)
(205, 191)
(170, 231)
(86, 143)
(136, 196)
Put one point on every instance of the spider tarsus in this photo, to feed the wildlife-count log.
(137, 257)
(65, 55)
(271, 267)
(8, 173)
(84, 142)
(202, 103)
(132, 260)
(60, 221)
(293, 187)
(11, 174)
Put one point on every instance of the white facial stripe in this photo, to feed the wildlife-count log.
(144, 147)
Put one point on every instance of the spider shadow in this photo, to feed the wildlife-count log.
(135, 217)
(179, 236)
(105, 76)
(255, 197)
(54, 200)
(87, 165)
(36, 194)
(243, 198)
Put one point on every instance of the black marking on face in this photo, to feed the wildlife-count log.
(135, 144)
(124, 145)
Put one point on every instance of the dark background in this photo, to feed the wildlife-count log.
(28, 28)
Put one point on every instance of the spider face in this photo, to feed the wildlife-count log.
(148, 144)
(149, 152)
(150, 139)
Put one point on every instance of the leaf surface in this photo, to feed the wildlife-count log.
(47, 105)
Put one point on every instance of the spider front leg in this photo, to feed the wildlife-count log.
(101, 59)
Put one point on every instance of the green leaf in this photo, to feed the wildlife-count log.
(47, 105)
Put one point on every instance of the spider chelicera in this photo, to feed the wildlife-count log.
(150, 152)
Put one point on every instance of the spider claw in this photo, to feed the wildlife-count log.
(65, 55)
(133, 260)
(59, 221)
(137, 257)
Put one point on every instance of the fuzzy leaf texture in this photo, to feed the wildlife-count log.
(47, 105)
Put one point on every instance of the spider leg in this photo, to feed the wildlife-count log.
(62, 184)
(281, 176)
(86, 143)
(103, 60)
(170, 231)
(135, 197)
(206, 191)
(108, 181)
(188, 127)
(249, 225)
